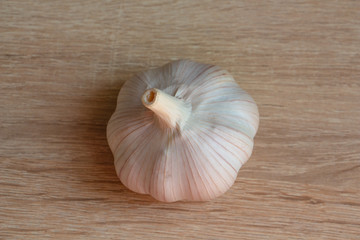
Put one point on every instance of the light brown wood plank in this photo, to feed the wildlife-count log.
(62, 64)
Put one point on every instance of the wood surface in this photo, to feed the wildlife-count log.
(62, 64)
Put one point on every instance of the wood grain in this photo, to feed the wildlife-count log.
(62, 64)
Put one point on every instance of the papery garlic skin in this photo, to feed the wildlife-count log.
(182, 131)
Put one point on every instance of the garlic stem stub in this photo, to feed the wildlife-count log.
(171, 111)
(182, 131)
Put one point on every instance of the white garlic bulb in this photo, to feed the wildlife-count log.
(182, 131)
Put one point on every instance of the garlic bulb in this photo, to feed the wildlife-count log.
(182, 131)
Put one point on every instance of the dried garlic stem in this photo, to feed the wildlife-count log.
(171, 111)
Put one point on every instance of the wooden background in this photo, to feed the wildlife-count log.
(62, 64)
